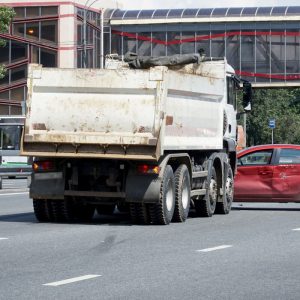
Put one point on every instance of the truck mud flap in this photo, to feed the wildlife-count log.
(142, 188)
(49, 185)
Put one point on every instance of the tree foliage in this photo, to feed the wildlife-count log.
(6, 14)
(283, 105)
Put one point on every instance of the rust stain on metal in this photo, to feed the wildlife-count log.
(169, 120)
(141, 129)
(39, 126)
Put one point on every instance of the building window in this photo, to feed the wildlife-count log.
(18, 29)
(18, 74)
(49, 31)
(48, 58)
(188, 42)
(15, 110)
(49, 10)
(4, 109)
(4, 95)
(5, 80)
(32, 12)
(17, 94)
(174, 40)
(4, 54)
(32, 30)
(20, 12)
(19, 51)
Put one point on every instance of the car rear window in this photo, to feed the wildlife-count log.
(289, 156)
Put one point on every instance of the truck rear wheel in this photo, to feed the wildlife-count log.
(162, 212)
(58, 210)
(224, 206)
(40, 209)
(139, 213)
(182, 194)
(206, 207)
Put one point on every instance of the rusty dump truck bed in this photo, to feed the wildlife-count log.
(124, 113)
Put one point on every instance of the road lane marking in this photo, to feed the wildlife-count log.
(296, 229)
(71, 280)
(215, 248)
(3, 239)
(13, 194)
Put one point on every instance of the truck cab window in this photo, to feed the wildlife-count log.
(231, 92)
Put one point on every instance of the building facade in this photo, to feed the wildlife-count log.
(50, 33)
(261, 43)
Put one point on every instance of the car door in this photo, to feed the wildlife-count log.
(286, 179)
(253, 181)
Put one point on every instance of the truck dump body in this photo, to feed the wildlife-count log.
(124, 113)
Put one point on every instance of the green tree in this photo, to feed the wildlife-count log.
(6, 14)
(281, 104)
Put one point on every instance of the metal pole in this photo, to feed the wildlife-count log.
(245, 128)
(101, 40)
(84, 29)
(84, 33)
(272, 136)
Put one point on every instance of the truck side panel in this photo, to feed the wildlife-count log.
(124, 113)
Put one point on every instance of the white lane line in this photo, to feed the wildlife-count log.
(3, 238)
(13, 194)
(71, 280)
(215, 248)
(296, 229)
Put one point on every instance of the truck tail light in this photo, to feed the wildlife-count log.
(148, 169)
(45, 165)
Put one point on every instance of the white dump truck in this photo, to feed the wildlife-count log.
(155, 141)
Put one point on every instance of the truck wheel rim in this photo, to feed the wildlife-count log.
(213, 191)
(169, 197)
(229, 188)
(185, 195)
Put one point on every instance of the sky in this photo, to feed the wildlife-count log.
(151, 4)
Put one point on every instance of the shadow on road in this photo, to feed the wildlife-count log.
(123, 219)
(120, 219)
(20, 217)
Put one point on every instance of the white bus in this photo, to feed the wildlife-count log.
(11, 163)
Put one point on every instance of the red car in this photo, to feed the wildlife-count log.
(268, 173)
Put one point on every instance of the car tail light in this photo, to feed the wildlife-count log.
(45, 165)
(148, 169)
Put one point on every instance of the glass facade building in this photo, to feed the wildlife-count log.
(261, 43)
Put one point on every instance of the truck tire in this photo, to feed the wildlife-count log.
(206, 207)
(161, 213)
(182, 194)
(41, 210)
(71, 211)
(123, 207)
(103, 209)
(224, 206)
(58, 210)
(139, 213)
(75, 211)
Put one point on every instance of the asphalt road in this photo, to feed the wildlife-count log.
(252, 253)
